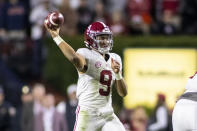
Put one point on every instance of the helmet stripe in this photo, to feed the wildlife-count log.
(103, 24)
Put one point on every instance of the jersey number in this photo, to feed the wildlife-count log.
(103, 74)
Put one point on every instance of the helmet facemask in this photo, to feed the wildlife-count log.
(104, 43)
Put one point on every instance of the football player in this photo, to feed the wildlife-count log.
(184, 116)
(98, 70)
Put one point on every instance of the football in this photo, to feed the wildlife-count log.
(54, 20)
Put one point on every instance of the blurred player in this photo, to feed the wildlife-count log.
(98, 70)
(184, 117)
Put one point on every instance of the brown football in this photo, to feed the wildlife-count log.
(54, 20)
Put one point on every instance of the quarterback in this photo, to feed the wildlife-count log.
(184, 117)
(98, 70)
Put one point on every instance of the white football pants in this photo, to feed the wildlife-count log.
(184, 116)
(87, 121)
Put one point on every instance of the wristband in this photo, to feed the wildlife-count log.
(118, 76)
(58, 40)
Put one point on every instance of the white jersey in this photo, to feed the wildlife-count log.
(94, 87)
(191, 85)
(184, 113)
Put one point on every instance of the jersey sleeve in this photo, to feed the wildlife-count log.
(83, 52)
(86, 54)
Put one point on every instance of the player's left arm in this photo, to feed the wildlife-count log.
(119, 83)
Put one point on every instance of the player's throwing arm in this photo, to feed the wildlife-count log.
(52, 23)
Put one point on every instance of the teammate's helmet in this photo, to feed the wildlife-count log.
(95, 29)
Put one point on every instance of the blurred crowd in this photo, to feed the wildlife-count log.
(41, 110)
(44, 110)
(22, 51)
(23, 18)
(139, 119)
